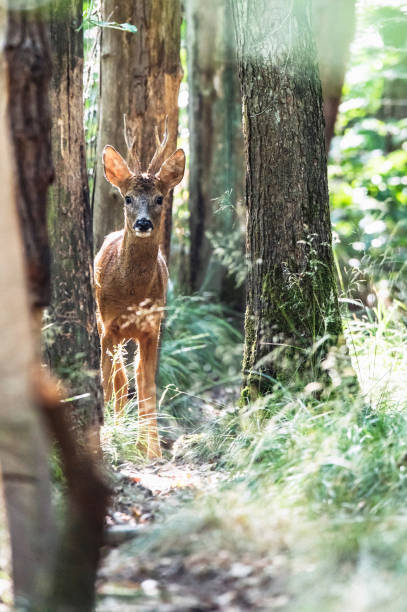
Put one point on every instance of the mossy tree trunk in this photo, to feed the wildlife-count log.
(73, 346)
(291, 291)
(334, 28)
(216, 145)
(140, 77)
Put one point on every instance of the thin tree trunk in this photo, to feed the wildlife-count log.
(140, 77)
(73, 348)
(23, 447)
(216, 143)
(334, 28)
(291, 291)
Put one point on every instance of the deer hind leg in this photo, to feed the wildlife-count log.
(146, 392)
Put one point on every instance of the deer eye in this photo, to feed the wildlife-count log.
(128, 199)
(159, 200)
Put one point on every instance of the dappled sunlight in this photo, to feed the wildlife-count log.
(377, 341)
(204, 359)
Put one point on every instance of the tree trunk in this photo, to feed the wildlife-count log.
(28, 58)
(23, 447)
(216, 143)
(140, 77)
(73, 346)
(43, 580)
(291, 291)
(334, 27)
(74, 576)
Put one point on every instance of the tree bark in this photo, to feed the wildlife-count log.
(140, 77)
(334, 28)
(216, 142)
(28, 58)
(73, 348)
(291, 291)
(23, 446)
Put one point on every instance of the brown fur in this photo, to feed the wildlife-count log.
(130, 283)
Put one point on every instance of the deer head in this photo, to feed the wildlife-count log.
(144, 192)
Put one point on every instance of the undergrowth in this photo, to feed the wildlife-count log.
(318, 483)
(315, 483)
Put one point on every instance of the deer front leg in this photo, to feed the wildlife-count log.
(106, 365)
(146, 392)
(120, 382)
(142, 437)
(113, 372)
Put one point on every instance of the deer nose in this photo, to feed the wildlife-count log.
(143, 225)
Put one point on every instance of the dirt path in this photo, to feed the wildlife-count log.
(147, 569)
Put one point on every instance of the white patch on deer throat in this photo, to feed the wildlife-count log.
(144, 234)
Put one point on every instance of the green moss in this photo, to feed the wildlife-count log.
(300, 320)
(245, 397)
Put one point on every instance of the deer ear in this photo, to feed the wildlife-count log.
(172, 170)
(115, 168)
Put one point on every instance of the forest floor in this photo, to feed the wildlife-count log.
(293, 503)
(146, 569)
(166, 551)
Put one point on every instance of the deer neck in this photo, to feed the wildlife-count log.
(139, 254)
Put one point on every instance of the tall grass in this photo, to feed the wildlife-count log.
(319, 484)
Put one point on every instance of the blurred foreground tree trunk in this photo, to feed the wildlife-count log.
(140, 77)
(43, 580)
(291, 291)
(334, 28)
(73, 347)
(216, 166)
(23, 445)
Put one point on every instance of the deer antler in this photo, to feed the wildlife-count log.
(161, 146)
(131, 147)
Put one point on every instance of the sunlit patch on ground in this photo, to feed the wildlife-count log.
(164, 478)
(182, 565)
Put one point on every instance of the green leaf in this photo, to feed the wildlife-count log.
(125, 27)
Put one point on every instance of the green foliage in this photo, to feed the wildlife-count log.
(228, 244)
(119, 436)
(369, 156)
(201, 350)
(317, 476)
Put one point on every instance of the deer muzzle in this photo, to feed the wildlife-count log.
(143, 227)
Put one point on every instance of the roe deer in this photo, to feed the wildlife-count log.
(131, 280)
